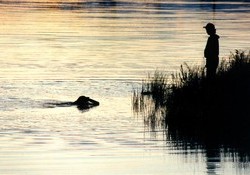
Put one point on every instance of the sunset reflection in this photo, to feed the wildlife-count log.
(56, 51)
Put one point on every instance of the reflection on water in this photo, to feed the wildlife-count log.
(59, 50)
(218, 144)
(218, 148)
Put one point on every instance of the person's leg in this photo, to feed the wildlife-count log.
(211, 66)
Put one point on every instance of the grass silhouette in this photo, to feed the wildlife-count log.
(188, 99)
(201, 113)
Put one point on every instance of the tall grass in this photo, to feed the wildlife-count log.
(201, 113)
(150, 99)
(189, 99)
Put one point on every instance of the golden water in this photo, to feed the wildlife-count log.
(59, 50)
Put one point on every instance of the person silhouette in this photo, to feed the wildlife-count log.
(211, 52)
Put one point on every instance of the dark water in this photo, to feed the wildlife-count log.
(59, 50)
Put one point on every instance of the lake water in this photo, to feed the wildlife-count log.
(58, 50)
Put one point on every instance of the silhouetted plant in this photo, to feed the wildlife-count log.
(150, 100)
(189, 98)
(201, 112)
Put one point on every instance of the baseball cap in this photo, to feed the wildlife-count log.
(209, 26)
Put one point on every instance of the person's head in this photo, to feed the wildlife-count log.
(210, 28)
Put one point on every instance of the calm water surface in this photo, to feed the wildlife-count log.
(58, 50)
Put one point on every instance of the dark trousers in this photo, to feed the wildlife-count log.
(211, 65)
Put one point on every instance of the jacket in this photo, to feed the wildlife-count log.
(212, 47)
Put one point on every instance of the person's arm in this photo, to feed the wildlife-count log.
(215, 47)
(206, 50)
(217, 51)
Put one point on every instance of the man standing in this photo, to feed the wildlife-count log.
(211, 52)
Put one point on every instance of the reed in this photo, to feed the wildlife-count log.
(189, 99)
(149, 101)
(201, 113)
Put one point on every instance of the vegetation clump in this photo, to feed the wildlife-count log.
(211, 114)
(190, 99)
